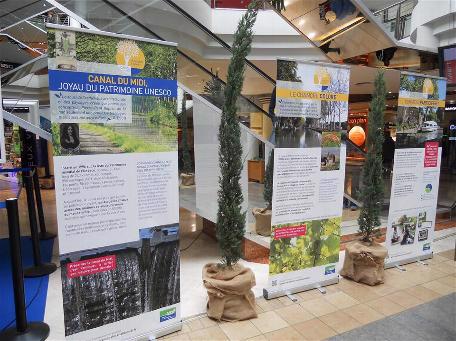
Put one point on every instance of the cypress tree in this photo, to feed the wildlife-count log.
(372, 179)
(230, 226)
(186, 158)
(268, 177)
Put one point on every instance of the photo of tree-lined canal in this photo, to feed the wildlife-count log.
(153, 126)
(418, 124)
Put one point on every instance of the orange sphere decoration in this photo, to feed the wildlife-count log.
(357, 135)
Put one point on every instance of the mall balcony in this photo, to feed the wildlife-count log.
(368, 35)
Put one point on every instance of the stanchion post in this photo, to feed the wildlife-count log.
(32, 220)
(44, 235)
(23, 331)
(39, 268)
(16, 264)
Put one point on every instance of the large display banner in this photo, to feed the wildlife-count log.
(113, 108)
(416, 172)
(309, 170)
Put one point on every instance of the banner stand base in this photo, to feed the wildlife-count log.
(389, 265)
(271, 292)
(160, 332)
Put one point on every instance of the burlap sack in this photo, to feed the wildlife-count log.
(262, 221)
(229, 291)
(365, 263)
(187, 179)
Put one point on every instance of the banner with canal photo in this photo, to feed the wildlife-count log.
(416, 170)
(309, 168)
(113, 108)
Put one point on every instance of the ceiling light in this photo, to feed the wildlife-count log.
(286, 3)
(301, 22)
(311, 35)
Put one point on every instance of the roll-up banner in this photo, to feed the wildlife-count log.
(309, 168)
(416, 172)
(113, 108)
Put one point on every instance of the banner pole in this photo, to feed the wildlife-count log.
(39, 268)
(23, 331)
(44, 234)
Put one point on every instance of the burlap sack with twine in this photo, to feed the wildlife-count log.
(229, 291)
(365, 263)
(262, 221)
(187, 179)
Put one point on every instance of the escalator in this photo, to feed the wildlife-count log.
(203, 57)
(155, 19)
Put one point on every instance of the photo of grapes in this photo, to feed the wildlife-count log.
(319, 246)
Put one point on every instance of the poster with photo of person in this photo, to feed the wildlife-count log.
(416, 169)
(114, 128)
(309, 132)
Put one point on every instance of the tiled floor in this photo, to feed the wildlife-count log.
(429, 321)
(345, 307)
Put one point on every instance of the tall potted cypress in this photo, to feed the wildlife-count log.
(187, 175)
(364, 258)
(228, 283)
(263, 215)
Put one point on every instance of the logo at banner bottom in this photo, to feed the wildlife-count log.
(167, 314)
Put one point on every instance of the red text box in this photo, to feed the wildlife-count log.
(431, 154)
(91, 266)
(290, 231)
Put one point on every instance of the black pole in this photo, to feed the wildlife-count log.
(34, 331)
(39, 205)
(39, 268)
(16, 264)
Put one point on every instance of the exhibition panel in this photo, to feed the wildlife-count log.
(211, 170)
(119, 248)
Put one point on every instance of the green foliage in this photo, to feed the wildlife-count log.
(319, 246)
(268, 180)
(214, 91)
(55, 130)
(287, 70)
(96, 48)
(127, 143)
(371, 193)
(186, 158)
(160, 61)
(415, 84)
(162, 116)
(51, 43)
(230, 226)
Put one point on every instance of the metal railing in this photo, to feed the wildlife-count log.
(396, 18)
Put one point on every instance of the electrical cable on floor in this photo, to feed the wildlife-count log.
(191, 243)
(28, 305)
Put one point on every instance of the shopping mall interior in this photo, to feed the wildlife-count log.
(416, 301)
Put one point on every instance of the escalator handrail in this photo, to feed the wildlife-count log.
(121, 11)
(189, 17)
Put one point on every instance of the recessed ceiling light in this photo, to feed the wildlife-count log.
(301, 22)
(311, 35)
(389, 92)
